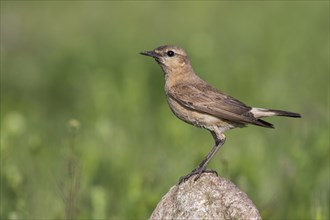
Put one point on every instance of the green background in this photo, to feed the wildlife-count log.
(85, 128)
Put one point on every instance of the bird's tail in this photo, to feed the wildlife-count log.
(262, 112)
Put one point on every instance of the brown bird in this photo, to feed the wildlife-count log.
(196, 102)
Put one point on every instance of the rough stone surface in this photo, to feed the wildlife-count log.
(210, 197)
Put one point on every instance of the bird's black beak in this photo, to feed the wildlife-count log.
(150, 54)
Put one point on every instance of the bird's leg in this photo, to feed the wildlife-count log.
(219, 141)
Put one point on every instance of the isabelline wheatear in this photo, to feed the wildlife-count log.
(196, 102)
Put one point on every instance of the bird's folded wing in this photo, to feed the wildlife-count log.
(205, 98)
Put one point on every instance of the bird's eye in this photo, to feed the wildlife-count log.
(170, 53)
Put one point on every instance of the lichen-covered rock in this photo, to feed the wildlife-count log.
(210, 197)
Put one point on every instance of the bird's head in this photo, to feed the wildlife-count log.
(169, 57)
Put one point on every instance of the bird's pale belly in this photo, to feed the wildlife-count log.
(197, 118)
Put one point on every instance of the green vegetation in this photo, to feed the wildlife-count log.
(85, 128)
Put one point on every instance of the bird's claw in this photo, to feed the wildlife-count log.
(197, 172)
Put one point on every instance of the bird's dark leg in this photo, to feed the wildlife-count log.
(219, 141)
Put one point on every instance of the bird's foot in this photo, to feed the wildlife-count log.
(198, 171)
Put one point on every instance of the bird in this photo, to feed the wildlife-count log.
(198, 103)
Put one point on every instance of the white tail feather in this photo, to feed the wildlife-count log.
(262, 112)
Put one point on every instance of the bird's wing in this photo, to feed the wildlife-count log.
(207, 99)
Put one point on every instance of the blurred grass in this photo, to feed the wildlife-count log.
(79, 60)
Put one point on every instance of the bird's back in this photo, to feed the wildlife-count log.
(196, 95)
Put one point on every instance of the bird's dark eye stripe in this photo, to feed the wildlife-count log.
(170, 53)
